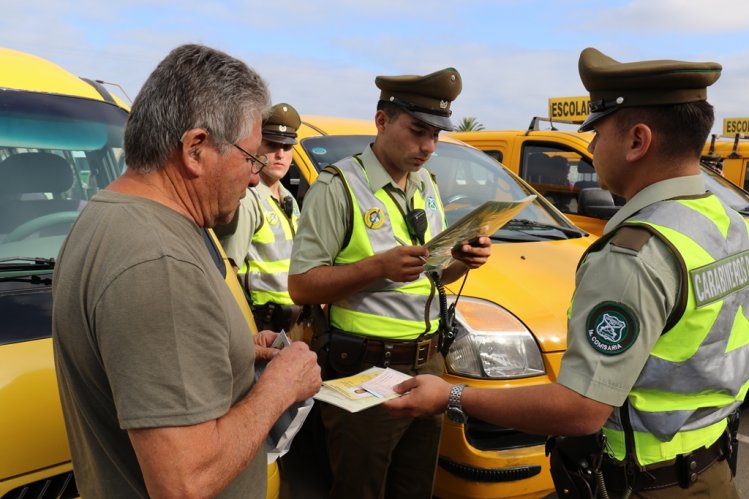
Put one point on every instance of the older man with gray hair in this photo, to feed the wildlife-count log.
(154, 357)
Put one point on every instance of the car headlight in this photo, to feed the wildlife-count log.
(492, 343)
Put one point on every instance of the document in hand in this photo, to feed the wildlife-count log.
(288, 425)
(363, 390)
(483, 221)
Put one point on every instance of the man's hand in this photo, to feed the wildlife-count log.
(263, 341)
(473, 253)
(295, 368)
(424, 395)
(403, 263)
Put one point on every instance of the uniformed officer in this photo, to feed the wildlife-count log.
(259, 243)
(658, 338)
(383, 308)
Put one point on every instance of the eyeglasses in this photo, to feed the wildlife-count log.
(258, 162)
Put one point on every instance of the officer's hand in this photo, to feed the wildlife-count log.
(473, 253)
(295, 367)
(403, 263)
(263, 341)
(424, 395)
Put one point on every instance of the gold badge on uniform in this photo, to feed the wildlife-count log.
(374, 218)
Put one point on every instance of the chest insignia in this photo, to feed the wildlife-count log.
(374, 218)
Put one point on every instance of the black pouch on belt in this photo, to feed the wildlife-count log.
(346, 353)
(575, 464)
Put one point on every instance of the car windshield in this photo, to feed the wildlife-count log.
(733, 196)
(55, 153)
(466, 178)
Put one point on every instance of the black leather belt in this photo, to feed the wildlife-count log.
(682, 471)
(393, 352)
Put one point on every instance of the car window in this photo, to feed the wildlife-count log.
(55, 153)
(559, 174)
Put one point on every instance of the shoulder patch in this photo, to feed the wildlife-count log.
(633, 238)
(611, 328)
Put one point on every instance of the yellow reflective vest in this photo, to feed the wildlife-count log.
(386, 309)
(698, 370)
(265, 272)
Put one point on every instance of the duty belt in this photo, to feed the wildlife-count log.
(410, 352)
(682, 471)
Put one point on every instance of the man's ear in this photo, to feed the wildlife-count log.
(381, 119)
(194, 148)
(639, 142)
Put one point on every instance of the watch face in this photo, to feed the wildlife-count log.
(457, 415)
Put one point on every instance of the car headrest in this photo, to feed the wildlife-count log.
(35, 172)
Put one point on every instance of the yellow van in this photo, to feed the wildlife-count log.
(730, 157)
(558, 164)
(512, 309)
(60, 142)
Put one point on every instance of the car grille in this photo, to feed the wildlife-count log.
(485, 436)
(493, 475)
(55, 487)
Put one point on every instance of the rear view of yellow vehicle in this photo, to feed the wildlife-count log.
(512, 310)
(729, 156)
(558, 164)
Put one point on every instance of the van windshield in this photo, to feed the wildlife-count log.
(466, 178)
(55, 153)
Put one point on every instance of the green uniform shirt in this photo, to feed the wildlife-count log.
(644, 283)
(326, 214)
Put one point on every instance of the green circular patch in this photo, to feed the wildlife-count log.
(612, 328)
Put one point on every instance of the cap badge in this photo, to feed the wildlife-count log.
(285, 109)
(374, 218)
(443, 104)
(281, 128)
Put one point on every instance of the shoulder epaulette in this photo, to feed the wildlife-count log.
(630, 237)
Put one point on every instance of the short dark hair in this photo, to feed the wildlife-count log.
(390, 109)
(679, 130)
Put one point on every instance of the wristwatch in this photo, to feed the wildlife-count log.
(454, 409)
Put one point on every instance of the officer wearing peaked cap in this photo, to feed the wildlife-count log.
(653, 358)
(349, 254)
(259, 240)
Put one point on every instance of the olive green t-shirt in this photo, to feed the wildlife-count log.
(146, 334)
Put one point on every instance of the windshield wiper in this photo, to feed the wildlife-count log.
(524, 223)
(24, 262)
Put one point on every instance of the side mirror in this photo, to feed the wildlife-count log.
(596, 202)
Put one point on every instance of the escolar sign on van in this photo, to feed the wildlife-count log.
(732, 126)
(569, 108)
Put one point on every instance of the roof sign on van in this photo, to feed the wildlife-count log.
(734, 126)
(574, 109)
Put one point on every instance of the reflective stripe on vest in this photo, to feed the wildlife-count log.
(387, 309)
(266, 267)
(697, 371)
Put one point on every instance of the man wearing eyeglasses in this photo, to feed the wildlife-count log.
(259, 239)
(383, 308)
(154, 358)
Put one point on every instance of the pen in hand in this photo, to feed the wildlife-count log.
(404, 243)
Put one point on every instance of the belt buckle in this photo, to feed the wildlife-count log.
(422, 353)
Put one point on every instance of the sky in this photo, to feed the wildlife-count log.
(322, 56)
